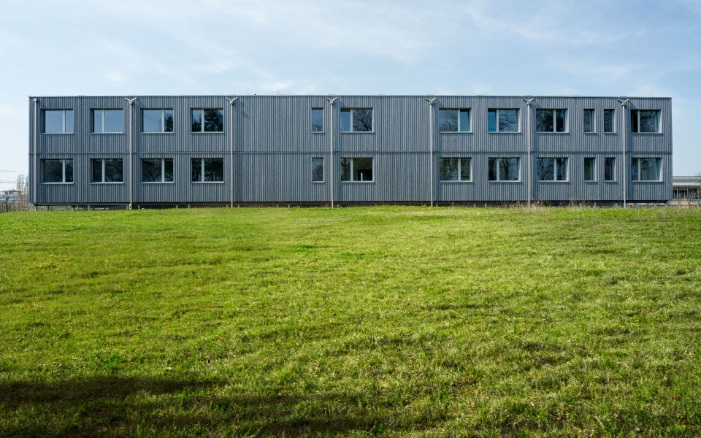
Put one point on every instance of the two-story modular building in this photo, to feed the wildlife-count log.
(340, 150)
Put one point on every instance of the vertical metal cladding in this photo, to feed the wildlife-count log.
(267, 146)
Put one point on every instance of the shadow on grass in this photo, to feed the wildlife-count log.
(162, 406)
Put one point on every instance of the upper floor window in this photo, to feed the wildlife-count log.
(356, 169)
(609, 126)
(645, 169)
(57, 171)
(208, 120)
(58, 121)
(356, 119)
(108, 121)
(588, 120)
(317, 169)
(157, 170)
(551, 120)
(504, 169)
(158, 120)
(107, 171)
(455, 169)
(317, 120)
(589, 168)
(610, 169)
(453, 120)
(645, 121)
(503, 120)
(552, 169)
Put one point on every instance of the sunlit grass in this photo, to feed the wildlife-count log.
(385, 320)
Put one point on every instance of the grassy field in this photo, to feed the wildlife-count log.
(356, 321)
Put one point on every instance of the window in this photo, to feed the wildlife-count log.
(608, 121)
(107, 171)
(588, 120)
(455, 169)
(589, 168)
(356, 119)
(503, 120)
(158, 170)
(453, 120)
(208, 120)
(317, 169)
(551, 120)
(609, 169)
(504, 169)
(58, 121)
(207, 170)
(552, 169)
(356, 169)
(317, 120)
(645, 169)
(57, 171)
(645, 121)
(108, 121)
(158, 120)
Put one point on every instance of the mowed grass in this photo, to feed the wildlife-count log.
(357, 321)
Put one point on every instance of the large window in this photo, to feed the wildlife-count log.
(551, 120)
(207, 170)
(589, 120)
(645, 169)
(645, 121)
(609, 169)
(107, 171)
(57, 171)
(453, 120)
(108, 121)
(158, 120)
(504, 169)
(58, 121)
(455, 169)
(208, 120)
(317, 120)
(317, 169)
(157, 170)
(609, 126)
(356, 119)
(551, 169)
(356, 169)
(589, 169)
(503, 120)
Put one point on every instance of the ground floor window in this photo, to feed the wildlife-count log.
(551, 169)
(609, 169)
(157, 170)
(455, 169)
(57, 171)
(504, 169)
(645, 169)
(317, 169)
(589, 169)
(207, 170)
(356, 169)
(107, 171)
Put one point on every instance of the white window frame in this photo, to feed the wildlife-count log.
(163, 171)
(556, 163)
(460, 175)
(322, 170)
(556, 111)
(460, 129)
(352, 164)
(612, 113)
(203, 123)
(352, 125)
(497, 125)
(611, 160)
(593, 169)
(163, 120)
(64, 126)
(635, 169)
(102, 172)
(203, 171)
(323, 117)
(102, 128)
(63, 171)
(592, 121)
(635, 121)
(498, 169)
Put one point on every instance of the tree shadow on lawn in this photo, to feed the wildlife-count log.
(137, 406)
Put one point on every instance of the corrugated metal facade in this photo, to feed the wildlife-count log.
(267, 146)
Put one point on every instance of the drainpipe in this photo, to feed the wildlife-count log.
(529, 140)
(624, 103)
(35, 186)
(131, 150)
(331, 100)
(231, 149)
(430, 101)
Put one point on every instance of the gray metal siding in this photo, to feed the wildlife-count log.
(267, 145)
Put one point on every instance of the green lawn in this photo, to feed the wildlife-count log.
(354, 321)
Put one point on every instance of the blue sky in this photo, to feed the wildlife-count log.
(486, 47)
